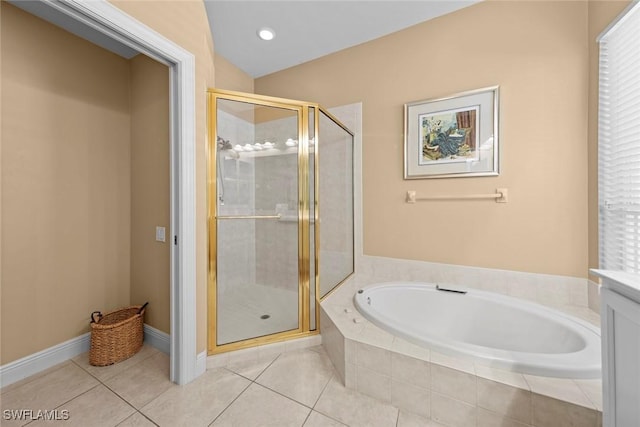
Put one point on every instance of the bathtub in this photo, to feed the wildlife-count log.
(494, 330)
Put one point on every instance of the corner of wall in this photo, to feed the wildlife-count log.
(150, 189)
(230, 77)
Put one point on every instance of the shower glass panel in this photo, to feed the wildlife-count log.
(335, 156)
(280, 225)
(257, 209)
(312, 219)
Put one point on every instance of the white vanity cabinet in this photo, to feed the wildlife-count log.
(620, 321)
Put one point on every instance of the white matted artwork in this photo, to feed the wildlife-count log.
(450, 137)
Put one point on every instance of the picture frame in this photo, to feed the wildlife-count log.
(453, 137)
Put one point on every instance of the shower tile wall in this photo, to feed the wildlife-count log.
(277, 179)
(265, 252)
(277, 192)
(236, 242)
(277, 241)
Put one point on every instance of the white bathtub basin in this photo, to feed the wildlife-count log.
(495, 330)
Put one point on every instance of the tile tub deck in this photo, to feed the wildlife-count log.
(450, 390)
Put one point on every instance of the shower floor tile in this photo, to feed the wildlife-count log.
(241, 312)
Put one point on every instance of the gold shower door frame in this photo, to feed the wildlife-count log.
(302, 108)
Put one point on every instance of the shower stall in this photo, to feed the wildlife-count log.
(281, 231)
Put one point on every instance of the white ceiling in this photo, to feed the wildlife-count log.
(309, 29)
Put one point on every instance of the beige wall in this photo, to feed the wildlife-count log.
(230, 77)
(542, 56)
(538, 53)
(185, 23)
(58, 89)
(85, 180)
(65, 183)
(601, 13)
(150, 189)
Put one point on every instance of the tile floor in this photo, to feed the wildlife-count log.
(297, 388)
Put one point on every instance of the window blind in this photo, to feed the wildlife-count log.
(619, 144)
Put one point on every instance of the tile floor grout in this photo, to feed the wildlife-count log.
(24, 381)
(255, 381)
(129, 403)
(103, 383)
(320, 396)
(64, 403)
(318, 363)
(230, 403)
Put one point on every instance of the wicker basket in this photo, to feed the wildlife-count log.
(117, 335)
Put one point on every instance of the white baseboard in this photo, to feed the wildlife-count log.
(37, 362)
(158, 339)
(201, 363)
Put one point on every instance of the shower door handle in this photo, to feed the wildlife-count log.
(249, 217)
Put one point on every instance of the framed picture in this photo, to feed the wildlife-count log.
(451, 137)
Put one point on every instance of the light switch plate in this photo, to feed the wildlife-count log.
(160, 234)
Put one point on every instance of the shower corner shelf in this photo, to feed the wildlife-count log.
(246, 155)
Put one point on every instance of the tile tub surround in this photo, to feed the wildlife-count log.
(567, 294)
(455, 391)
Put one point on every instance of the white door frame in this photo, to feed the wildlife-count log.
(113, 22)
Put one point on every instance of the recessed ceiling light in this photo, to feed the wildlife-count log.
(266, 33)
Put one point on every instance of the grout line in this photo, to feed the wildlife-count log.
(118, 373)
(64, 403)
(306, 419)
(323, 389)
(276, 391)
(323, 413)
(267, 367)
(100, 382)
(280, 394)
(446, 396)
(121, 397)
(28, 380)
(315, 349)
(290, 398)
(592, 401)
(125, 400)
(86, 371)
(240, 375)
(150, 420)
(330, 417)
(257, 376)
(505, 417)
(143, 415)
(530, 388)
(230, 403)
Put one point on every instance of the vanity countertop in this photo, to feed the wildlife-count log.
(627, 284)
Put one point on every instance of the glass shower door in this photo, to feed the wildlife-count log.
(336, 203)
(257, 220)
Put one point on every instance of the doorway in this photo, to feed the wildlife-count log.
(107, 22)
